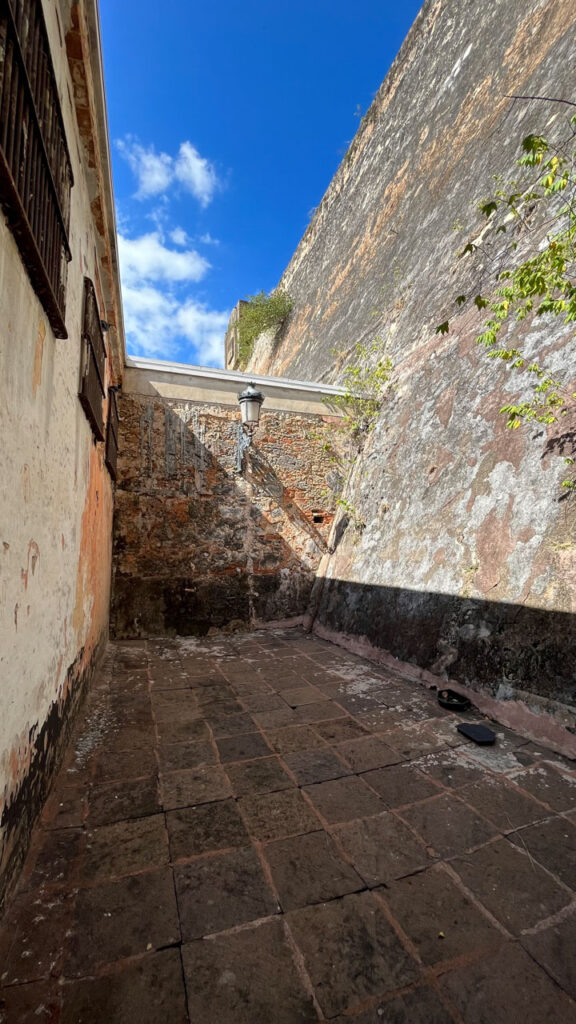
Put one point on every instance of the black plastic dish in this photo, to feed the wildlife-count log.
(453, 701)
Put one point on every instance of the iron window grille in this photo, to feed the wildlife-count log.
(112, 434)
(35, 168)
(93, 369)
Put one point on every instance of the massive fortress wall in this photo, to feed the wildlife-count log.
(466, 563)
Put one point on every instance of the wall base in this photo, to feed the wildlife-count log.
(544, 721)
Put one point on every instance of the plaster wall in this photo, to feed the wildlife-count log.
(200, 546)
(466, 561)
(56, 498)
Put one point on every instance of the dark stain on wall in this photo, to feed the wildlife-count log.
(21, 813)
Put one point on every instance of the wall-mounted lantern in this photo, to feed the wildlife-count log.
(251, 401)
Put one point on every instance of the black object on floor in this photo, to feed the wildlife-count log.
(478, 733)
(453, 701)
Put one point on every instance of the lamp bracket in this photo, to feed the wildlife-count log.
(243, 443)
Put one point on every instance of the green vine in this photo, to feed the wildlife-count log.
(260, 313)
(542, 284)
(364, 387)
(365, 383)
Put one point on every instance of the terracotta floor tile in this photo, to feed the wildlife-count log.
(447, 825)
(293, 738)
(350, 951)
(53, 859)
(505, 987)
(124, 765)
(311, 714)
(182, 730)
(125, 847)
(340, 730)
(344, 799)
(442, 922)
(261, 985)
(122, 801)
(148, 991)
(177, 756)
(502, 803)
(309, 766)
(546, 783)
(303, 695)
(194, 786)
(38, 1003)
(265, 775)
(511, 885)
(421, 1006)
(65, 808)
(371, 752)
(451, 768)
(242, 748)
(205, 828)
(381, 848)
(33, 935)
(219, 892)
(553, 948)
(120, 919)
(309, 869)
(263, 702)
(277, 815)
(400, 784)
(553, 844)
(275, 719)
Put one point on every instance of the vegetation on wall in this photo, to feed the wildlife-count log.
(260, 313)
(365, 383)
(528, 246)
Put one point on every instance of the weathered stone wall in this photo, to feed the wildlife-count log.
(467, 561)
(56, 496)
(198, 545)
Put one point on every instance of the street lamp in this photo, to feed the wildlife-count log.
(250, 401)
(250, 404)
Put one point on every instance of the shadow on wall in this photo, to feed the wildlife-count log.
(198, 546)
(498, 647)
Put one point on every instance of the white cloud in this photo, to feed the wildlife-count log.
(158, 324)
(195, 173)
(205, 328)
(156, 172)
(146, 258)
(208, 240)
(179, 236)
(152, 170)
(160, 319)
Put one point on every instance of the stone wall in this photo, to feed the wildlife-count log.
(199, 546)
(467, 562)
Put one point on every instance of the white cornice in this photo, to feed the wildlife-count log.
(199, 373)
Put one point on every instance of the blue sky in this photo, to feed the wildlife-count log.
(227, 123)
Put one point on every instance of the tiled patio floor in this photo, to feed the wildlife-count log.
(264, 829)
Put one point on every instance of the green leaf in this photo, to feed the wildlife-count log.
(488, 208)
(443, 328)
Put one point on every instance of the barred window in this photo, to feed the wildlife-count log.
(112, 433)
(35, 169)
(93, 368)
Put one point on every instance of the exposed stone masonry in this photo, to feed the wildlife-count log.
(199, 546)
